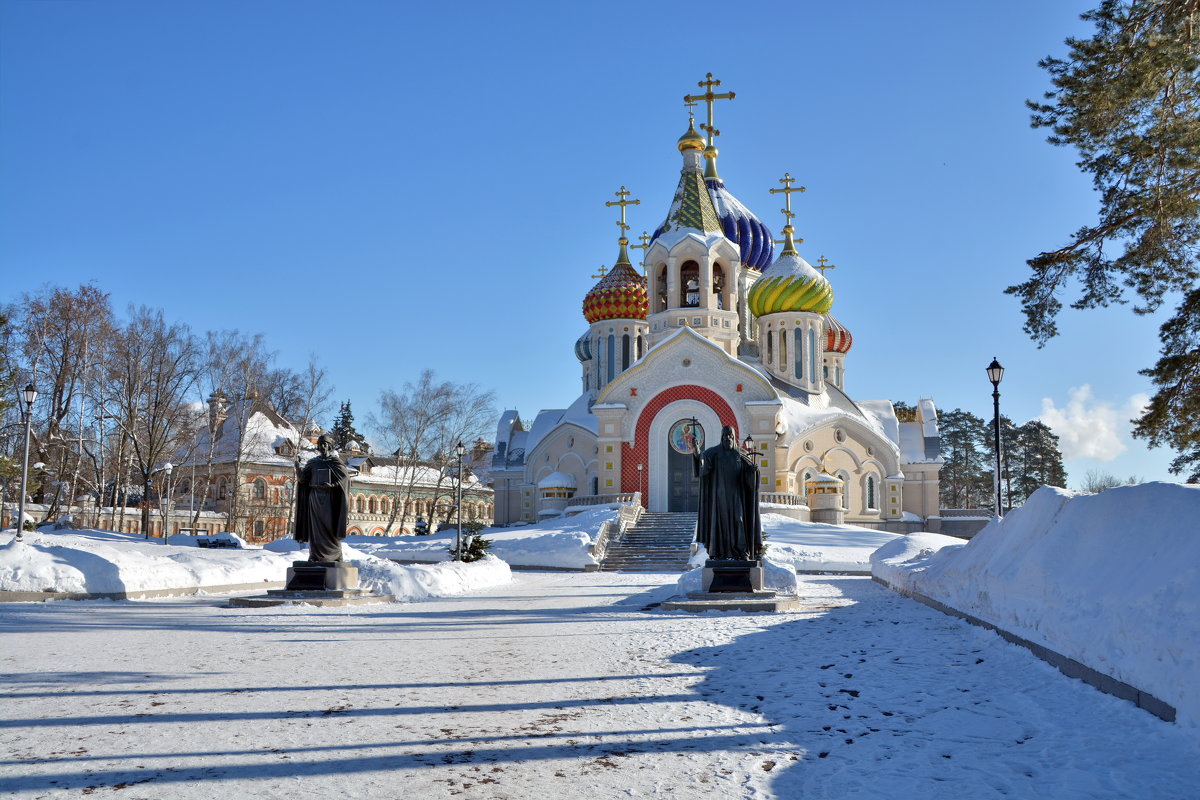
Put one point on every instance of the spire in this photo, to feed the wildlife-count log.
(789, 245)
(710, 151)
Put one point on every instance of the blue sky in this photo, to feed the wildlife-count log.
(427, 182)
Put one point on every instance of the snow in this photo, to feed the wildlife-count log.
(817, 547)
(1111, 580)
(558, 685)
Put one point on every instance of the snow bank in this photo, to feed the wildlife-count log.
(1111, 580)
(559, 543)
(105, 562)
(817, 547)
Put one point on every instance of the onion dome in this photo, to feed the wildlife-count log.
(620, 294)
(740, 226)
(583, 347)
(790, 284)
(837, 337)
(691, 140)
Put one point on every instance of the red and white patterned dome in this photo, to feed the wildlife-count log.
(837, 337)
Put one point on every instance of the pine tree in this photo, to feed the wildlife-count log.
(1129, 100)
(965, 475)
(1040, 461)
(343, 431)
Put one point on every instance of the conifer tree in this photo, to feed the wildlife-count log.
(343, 431)
(1128, 100)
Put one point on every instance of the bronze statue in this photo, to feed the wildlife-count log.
(728, 522)
(323, 503)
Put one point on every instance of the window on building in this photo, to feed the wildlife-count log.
(871, 502)
(783, 351)
(260, 529)
(812, 348)
(625, 352)
(359, 504)
(371, 505)
(612, 356)
(289, 490)
(222, 489)
(260, 489)
(771, 348)
(689, 284)
(639, 346)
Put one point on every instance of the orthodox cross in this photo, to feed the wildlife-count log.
(600, 273)
(823, 264)
(786, 191)
(645, 245)
(623, 193)
(708, 97)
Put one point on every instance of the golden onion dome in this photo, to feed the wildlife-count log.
(691, 140)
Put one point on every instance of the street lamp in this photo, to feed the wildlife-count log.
(168, 467)
(748, 443)
(995, 372)
(461, 450)
(641, 471)
(28, 394)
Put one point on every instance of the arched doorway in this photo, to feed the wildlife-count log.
(683, 488)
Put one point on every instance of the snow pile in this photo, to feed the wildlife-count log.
(778, 576)
(818, 547)
(1111, 580)
(105, 562)
(408, 582)
(558, 543)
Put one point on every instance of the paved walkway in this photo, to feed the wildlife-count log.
(557, 686)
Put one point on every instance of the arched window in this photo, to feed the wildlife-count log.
(783, 351)
(260, 489)
(719, 285)
(639, 346)
(625, 352)
(689, 284)
(662, 287)
(260, 529)
(595, 486)
(289, 490)
(359, 504)
(222, 489)
(770, 348)
(871, 492)
(812, 348)
(612, 356)
(799, 348)
(371, 506)
(804, 482)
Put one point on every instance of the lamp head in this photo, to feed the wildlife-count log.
(995, 372)
(30, 394)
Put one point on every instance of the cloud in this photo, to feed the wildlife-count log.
(1090, 428)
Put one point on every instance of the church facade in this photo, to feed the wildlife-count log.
(720, 330)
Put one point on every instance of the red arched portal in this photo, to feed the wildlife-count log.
(639, 451)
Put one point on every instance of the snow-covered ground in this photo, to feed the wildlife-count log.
(1111, 580)
(558, 685)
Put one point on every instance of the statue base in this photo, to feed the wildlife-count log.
(320, 576)
(732, 575)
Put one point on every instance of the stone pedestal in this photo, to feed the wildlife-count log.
(321, 576)
(732, 575)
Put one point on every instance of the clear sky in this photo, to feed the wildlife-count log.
(394, 186)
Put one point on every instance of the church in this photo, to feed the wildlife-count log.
(720, 329)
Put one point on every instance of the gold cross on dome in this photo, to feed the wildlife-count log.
(645, 245)
(787, 180)
(623, 193)
(823, 264)
(600, 273)
(708, 84)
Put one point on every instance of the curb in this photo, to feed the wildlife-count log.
(137, 594)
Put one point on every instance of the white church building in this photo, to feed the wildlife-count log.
(719, 331)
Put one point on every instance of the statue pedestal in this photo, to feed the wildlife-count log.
(321, 576)
(732, 575)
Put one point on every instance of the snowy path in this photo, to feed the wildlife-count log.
(557, 686)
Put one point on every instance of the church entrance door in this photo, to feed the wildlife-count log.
(683, 490)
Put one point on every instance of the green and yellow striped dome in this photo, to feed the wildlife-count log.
(790, 284)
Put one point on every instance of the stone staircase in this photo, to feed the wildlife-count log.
(660, 542)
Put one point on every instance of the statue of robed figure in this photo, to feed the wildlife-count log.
(322, 503)
(728, 523)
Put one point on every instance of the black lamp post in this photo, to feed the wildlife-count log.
(748, 443)
(461, 450)
(28, 394)
(168, 468)
(995, 372)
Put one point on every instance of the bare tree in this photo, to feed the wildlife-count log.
(423, 425)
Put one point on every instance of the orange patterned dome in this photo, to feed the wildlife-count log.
(837, 337)
(621, 294)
